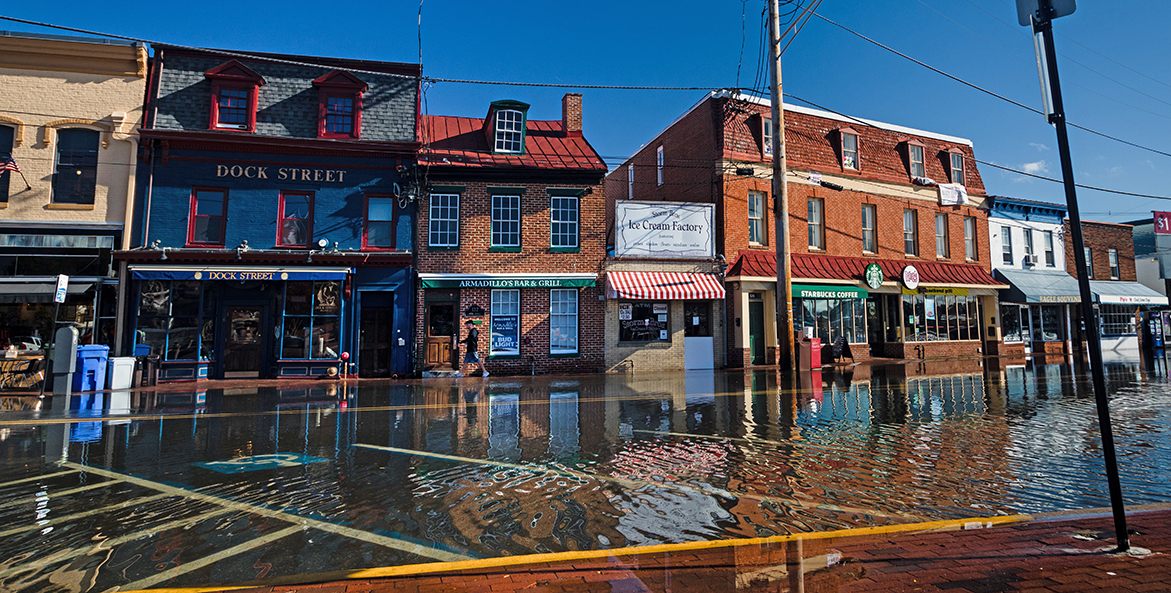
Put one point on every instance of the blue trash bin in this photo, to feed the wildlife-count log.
(141, 349)
(91, 367)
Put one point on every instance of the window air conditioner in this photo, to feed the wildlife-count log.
(1031, 260)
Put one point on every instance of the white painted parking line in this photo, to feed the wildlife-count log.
(37, 478)
(73, 517)
(49, 495)
(66, 554)
(373, 538)
(197, 564)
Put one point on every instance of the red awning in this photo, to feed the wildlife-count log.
(665, 286)
(807, 267)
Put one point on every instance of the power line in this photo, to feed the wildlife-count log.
(984, 90)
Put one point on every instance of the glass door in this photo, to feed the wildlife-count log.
(243, 344)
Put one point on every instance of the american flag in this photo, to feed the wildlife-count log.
(9, 164)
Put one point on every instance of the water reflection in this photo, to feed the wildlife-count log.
(473, 468)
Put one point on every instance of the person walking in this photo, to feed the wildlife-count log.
(471, 350)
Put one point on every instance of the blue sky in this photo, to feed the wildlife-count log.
(1112, 64)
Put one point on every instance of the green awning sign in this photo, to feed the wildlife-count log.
(810, 291)
(551, 282)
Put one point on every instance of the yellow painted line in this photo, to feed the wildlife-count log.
(51, 495)
(64, 556)
(636, 484)
(187, 567)
(37, 478)
(373, 538)
(565, 557)
(59, 520)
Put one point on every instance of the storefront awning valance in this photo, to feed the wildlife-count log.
(37, 291)
(808, 267)
(1125, 293)
(1039, 286)
(810, 291)
(238, 273)
(507, 280)
(663, 286)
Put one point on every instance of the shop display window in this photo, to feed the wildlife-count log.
(174, 320)
(934, 318)
(644, 322)
(311, 324)
(833, 318)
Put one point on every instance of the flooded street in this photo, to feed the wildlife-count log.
(131, 490)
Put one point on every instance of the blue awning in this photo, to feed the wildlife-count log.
(236, 273)
(1038, 286)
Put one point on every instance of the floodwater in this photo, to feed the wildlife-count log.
(131, 490)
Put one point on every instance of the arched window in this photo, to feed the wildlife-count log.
(76, 175)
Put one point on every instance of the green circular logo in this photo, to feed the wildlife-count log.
(874, 276)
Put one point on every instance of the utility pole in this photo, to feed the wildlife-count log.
(786, 351)
(1042, 13)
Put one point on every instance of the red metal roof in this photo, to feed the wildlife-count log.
(462, 142)
(829, 267)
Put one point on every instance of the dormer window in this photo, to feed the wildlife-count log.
(767, 133)
(849, 149)
(917, 165)
(339, 105)
(234, 89)
(957, 167)
(509, 131)
(504, 127)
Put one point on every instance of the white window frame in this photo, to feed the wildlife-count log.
(500, 206)
(756, 226)
(1028, 243)
(510, 131)
(942, 240)
(918, 164)
(1006, 245)
(816, 228)
(1050, 254)
(970, 248)
(1115, 267)
(563, 316)
(767, 131)
(438, 225)
(630, 181)
(659, 164)
(850, 155)
(1089, 254)
(911, 232)
(957, 168)
(561, 205)
(870, 233)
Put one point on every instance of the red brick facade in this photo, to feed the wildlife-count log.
(556, 161)
(1101, 237)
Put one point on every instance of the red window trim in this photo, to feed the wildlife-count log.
(366, 224)
(341, 85)
(191, 217)
(232, 75)
(280, 220)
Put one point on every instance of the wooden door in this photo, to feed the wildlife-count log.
(374, 345)
(440, 339)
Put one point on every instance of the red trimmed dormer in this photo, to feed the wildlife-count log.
(234, 90)
(339, 106)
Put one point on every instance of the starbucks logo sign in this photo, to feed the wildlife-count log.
(911, 277)
(874, 276)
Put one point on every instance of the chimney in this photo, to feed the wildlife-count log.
(571, 114)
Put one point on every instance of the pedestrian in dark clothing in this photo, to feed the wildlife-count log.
(471, 350)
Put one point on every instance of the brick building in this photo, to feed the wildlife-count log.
(69, 115)
(1123, 302)
(274, 226)
(510, 236)
(909, 202)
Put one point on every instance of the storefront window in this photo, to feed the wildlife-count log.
(1046, 323)
(832, 318)
(1010, 323)
(1117, 320)
(171, 320)
(505, 334)
(644, 322)
(311, 320)
(931, 318)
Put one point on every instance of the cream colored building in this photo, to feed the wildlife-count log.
(69, 115)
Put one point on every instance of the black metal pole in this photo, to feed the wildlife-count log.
(1093, 339)
(48, 353)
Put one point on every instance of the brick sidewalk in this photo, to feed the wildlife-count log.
(1052, 555)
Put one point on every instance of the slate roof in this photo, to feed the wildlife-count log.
(461, 142)
(828, 267)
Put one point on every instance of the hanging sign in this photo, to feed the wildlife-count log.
(952, 194)
(873, 276)
(664, 229)
(911, 277)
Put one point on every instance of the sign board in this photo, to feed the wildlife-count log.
(664, 230)
(1162, 223)
(911, 277)
(1025, 9)
(805, 291)
(258, 462)
(505, 282)
(238, 275)
(505, 335)
(873, 276)
(937, 291)
(62, 288)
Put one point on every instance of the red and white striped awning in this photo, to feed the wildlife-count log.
(663, 286)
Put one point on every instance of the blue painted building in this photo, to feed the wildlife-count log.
(273, 222)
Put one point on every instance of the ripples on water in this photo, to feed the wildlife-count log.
(547, 465)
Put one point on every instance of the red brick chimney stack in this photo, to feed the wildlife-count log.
(571, 114)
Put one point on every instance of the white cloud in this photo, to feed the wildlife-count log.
(1035, 168)
(1038, 146)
